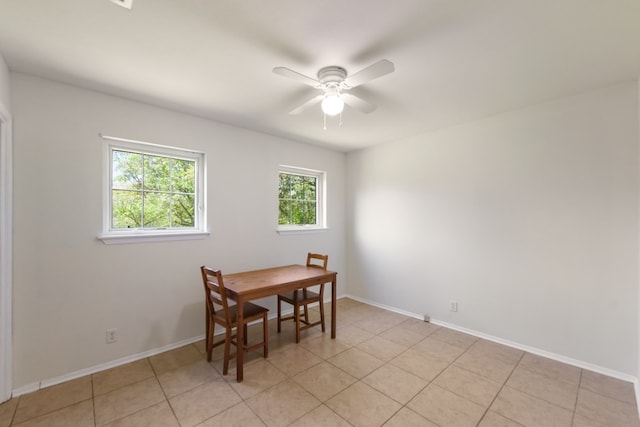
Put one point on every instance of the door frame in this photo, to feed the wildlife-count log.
(6, 249)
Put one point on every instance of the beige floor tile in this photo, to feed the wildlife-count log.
(529, 410)
(605, 410)
(322, 416)
(346, 303)
(352, 335)
(417, 363)
(379, 361)
(552, 390)
(404, 337)
(445, 408)
(239, 415)
(582, 421)
(52, 398)
(324, 347)
(469, 385)
(127, 400)
(395, 383)
(258, 376)
(293, 360)
(7, 410)
(159, 415)
(77, 415)
(380, 321)
(362, 405)
(187, 377)
(282, 404)
(459, 339)
(499, 351)
(324, 381)
(491, 367)
(608, 386)
(381, 348)
(407, 418)
(111, 379)
(203, 402)
(356, 362)
(551, 368)
(439, 349)
(419, 326)
(175, 358)
(492, 419)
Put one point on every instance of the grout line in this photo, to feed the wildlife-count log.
(504, 384)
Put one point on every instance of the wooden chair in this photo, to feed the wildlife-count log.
(304, 297)
(226, 316)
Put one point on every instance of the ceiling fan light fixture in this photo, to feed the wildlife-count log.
(332, 104)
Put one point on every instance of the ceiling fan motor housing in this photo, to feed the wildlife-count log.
(333, 74)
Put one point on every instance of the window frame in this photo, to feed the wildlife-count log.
(321, 197)
(111, 235)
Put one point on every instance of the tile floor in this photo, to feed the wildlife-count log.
(383, 369)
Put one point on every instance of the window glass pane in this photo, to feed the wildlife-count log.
(156, 173)
(156, 210)
(183, 176)
(183, 209)
(309, 213)
(126, 209)
(309, 185)
(284, 189)
(127, 170)
(284, 216)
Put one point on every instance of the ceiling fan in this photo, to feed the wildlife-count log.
(335, 84)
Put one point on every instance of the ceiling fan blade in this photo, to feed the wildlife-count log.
(358, 103)
(373, 71)
(310, 103)
(286, 72)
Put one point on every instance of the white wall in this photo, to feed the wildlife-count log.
(528, 219)
(70, 287)
(4, 84)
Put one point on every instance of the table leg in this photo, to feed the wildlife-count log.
(333, 308)
(240, 340)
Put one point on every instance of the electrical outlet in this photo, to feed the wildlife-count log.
(112, 335)
(453, 306)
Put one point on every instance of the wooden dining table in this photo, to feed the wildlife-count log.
(251, 285)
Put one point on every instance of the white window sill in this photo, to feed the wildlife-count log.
(146, 237)
(301, 230)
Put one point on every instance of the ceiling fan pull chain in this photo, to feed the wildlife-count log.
(325, 121)
(340, 123)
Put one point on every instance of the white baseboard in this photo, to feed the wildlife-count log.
(558, 357)
(101, 367)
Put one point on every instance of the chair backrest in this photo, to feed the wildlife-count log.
(317, 260)
(215, 293)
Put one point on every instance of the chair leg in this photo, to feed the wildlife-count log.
(210, 329)
(279, 315)
(306, 314)
(227, 346)
(321, 306)
(296, 319)
(265, 335)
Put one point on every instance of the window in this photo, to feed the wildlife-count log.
(152, 192)
(300, 199)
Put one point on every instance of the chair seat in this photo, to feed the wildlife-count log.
(290, 297)
(250, 311)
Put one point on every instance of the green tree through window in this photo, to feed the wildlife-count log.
(298, 199)
(152, 191)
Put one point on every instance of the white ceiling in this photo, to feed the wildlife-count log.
(456, 60)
